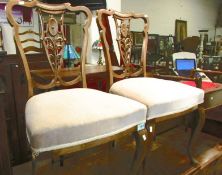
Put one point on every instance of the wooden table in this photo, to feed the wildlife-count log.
(213, 97)
(66, 72)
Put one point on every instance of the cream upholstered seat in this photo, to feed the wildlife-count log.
(176, 97)
(60, 122)
(164, 99)
(63, 118)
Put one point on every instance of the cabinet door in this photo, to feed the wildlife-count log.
(10, 110)
(5, 167)
(20, 97)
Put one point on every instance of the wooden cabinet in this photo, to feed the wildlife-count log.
(14, 84)
(13, 81)
(5, 166)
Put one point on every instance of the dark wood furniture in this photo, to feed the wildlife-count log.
(213, 97)
(212, 104)
(190, 44)
(15, 86)
(5, 165)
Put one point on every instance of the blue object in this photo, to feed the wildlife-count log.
(70, 55)
(185, 64)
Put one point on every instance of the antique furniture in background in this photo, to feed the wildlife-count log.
(203, 33)
(5, 164)
(61, 122)
(15, 86)
(153, 49)
(213, 90)
(179, 99)
(212, 63)
(190, 44)
(137, 38)
(159, 49)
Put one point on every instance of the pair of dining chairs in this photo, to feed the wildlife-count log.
(60, 122)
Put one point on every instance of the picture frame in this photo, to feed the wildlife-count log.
(24, 16)
(180, 30)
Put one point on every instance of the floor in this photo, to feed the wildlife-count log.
(168, 157)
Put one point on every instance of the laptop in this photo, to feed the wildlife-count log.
(184, 66)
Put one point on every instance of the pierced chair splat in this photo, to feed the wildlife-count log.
(164, 99)
(64, 121)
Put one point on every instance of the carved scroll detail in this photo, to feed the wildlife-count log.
(53, 39)
(125, 42)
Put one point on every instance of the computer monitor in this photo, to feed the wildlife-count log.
(185, 64)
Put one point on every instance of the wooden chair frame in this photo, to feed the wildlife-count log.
(55, 63)
(124, 43)
(57, 71)
(1, 40)
(199, 113)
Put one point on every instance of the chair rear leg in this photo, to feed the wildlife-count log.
(61, 161)
(143, 140)
(34, 162)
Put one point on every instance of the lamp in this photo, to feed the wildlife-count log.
(98, 46)
(70, 56)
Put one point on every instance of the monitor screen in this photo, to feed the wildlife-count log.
(185, 64)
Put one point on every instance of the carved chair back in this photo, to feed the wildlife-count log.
(53, 38)
(124, 41)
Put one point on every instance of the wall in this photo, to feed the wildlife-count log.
(199, 14)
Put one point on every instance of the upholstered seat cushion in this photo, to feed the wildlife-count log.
(70, 117)
(162, 97)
